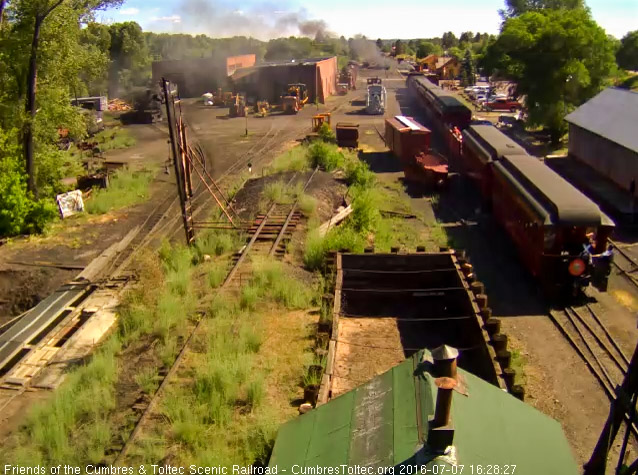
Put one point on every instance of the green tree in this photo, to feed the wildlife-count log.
(627, 54)
(468, 70)
(466, 37)
(29, 18)
(449, 40)
(425, 48)
(558, 59)
(130, 58)
(379, 43)
(399, 47)
(288, 48)
(514, 8)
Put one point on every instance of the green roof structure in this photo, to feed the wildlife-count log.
(384, 423)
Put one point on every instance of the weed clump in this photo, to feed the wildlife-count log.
(216, 243)
(326, 156)
(326, 134)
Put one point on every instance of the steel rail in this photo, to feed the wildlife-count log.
(280, 236)
(174, 367)
(607, 384)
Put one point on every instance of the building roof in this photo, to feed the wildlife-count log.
(428, 58)
(612, 114)
(383, 423)
(441, 62)
(562, 203)
(491, 142)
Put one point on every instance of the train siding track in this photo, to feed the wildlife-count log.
(267, 236)
(625, 264)
(592, 341)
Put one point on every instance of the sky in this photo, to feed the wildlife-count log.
(266, 19)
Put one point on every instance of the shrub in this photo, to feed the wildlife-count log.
(19, 212)
(326, 134)
(358, 174)
(326, 156)
(365, 212)
(345, 237)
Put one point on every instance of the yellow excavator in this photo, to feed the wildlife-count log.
(294, 98)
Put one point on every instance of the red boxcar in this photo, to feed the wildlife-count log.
(406, 138)
(410, 143)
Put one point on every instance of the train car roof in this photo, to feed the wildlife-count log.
(403, 123)
(544, 188)
(491, 142)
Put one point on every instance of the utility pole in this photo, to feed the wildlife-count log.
(178, 163)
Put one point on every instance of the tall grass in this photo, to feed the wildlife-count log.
(343, 238)
(216, 243)
(279, 192)
(271, 281)
(125, 188)
(307, 204)
(74, 426)
(294, 159)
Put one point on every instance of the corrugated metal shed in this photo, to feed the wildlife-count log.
(612, 114)
(384, 424)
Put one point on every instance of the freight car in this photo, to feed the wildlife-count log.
(409, 141)
(549, 221)
(443, 109)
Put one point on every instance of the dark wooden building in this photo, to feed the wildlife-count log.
(197, 76)
(603, 134)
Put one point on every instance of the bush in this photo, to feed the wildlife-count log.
(19, 212)
(358, 174)
(326, 134)
(344, 237)
(326, 156)
(365, 211)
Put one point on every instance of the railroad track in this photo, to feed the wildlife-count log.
(591, 339)
(625, 264)
(268, 234)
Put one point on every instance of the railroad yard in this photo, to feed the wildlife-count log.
(249, 305)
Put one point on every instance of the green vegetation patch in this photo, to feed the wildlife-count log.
(125, 188)
(114, 138)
